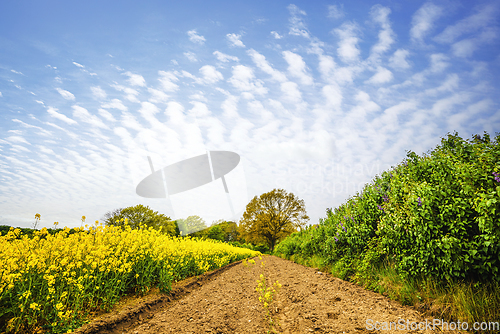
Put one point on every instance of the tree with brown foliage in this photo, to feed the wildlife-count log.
(272, 216)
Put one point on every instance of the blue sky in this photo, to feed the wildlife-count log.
(317, 97)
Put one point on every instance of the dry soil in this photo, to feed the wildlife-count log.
(225, 301)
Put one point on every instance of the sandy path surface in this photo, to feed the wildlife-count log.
(225, 301)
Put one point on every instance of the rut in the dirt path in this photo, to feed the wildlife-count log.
(309, 301)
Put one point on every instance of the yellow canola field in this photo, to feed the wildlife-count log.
(50, 283)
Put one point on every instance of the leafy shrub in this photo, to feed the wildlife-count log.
(432, 215)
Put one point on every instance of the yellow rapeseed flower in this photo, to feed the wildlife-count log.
(75, 264)
(34, 306)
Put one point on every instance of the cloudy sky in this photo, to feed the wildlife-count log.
(317, 97)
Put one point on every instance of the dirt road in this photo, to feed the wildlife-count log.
(225, 301)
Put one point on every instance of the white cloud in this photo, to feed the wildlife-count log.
(333, 96)
(198, 97)
(291, 92)
(224, 57)
(157, 96)
(199, 109)
(423, 21)
(135, 79)
(230, 107)
(380, 15)
(264, 65)
(347, 50)
(335, 12)
(450, 85)
(210, 74)
(115, 104)
(484, 16)
(383, 75)
(398, 59)
(17, 139)
(215, 131)
(69, 133)
(19, 148)
(326, 67)
(357, 116)
(148, 111)
(83, 115)
(53, 112)
(234, 39)
(443, 106)
(391, 117)
(76, 64)
(65, 94)
(98, 92)
(188, 75)
(248, 96)
(276, 35)
(175, 113)
(46, 150)
(346, 74)
(195, 38)
(129, 121)
(244, 79)
(167, 80)
(439, 62)
(130, 93)
(257, 108)
(1, 94)
(297, 67)
(107, 115)
(191, 56)
(466, 47)
(42, 131)
(297, 24)
(280, 110)
(17, 72)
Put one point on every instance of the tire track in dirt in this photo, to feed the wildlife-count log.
(225, 301)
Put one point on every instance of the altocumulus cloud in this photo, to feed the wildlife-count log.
(318, 114)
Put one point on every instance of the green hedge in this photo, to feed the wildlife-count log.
(432, 215)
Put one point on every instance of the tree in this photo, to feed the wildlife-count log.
(140, 215)
(216, 232)
(272, 216)
(231, 231)
(181, 226)
(191, 224)
(111, 216)
(223, 230)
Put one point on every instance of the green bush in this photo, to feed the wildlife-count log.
(435, 215)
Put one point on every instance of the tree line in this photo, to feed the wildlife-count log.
(268, 219)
